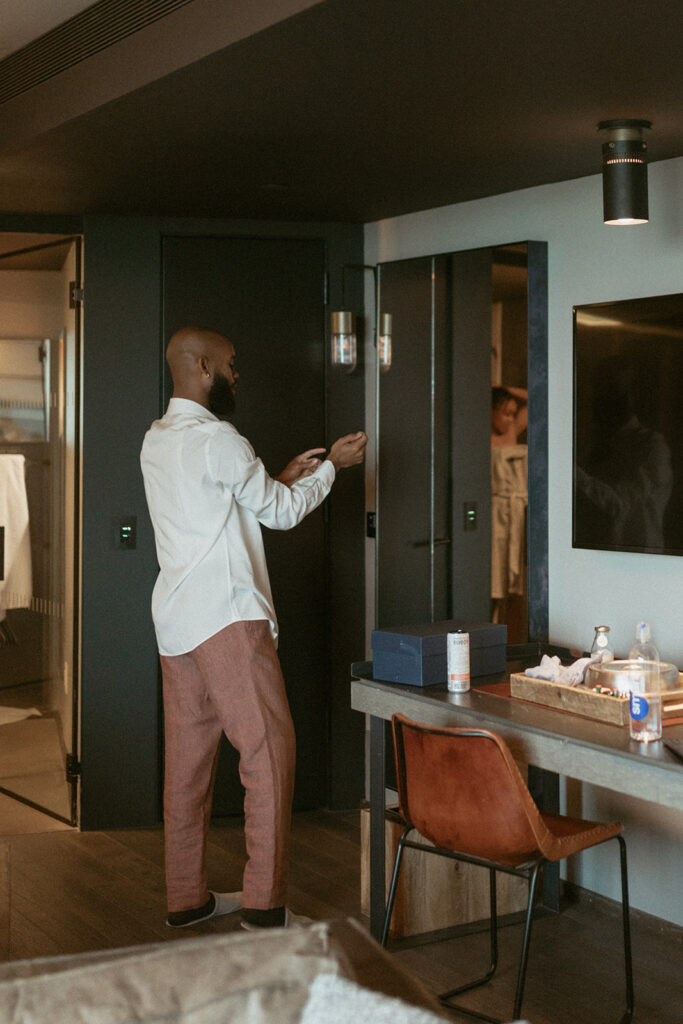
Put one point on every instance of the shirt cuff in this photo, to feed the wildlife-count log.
(327, 471)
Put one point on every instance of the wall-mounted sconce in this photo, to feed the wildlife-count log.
(384, 342)
(624, 171)
(343, 332)
(343, 341)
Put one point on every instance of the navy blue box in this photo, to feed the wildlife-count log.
(417, 654)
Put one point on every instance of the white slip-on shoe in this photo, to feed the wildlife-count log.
(291, 921)
(218, 903)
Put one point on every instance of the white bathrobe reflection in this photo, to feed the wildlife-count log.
(509, 499)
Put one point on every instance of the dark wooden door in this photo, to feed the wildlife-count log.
(267, 296)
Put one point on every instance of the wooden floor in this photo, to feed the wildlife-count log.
(62, 891)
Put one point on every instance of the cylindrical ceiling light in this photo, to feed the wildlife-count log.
(384, 342)
(624, 171)
(343, 341)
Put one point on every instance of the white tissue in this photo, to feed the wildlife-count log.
(573, 674)
(552, 670)
(548, 669)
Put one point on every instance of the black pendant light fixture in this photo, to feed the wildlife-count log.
(624, 171)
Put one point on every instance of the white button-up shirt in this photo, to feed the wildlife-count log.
(207, 493)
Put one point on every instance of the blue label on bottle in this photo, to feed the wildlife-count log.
(639, 707)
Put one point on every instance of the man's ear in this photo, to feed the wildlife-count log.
(204, 366)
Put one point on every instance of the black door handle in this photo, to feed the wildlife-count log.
(438, 541)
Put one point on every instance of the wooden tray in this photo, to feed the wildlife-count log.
(577, 699)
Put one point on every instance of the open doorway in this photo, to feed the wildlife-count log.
(40, 279)
(509, 446)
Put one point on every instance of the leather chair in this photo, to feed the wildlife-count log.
(461, 790)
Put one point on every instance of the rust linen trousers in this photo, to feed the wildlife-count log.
(231, 683)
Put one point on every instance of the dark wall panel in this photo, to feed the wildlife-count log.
(120, 718)
(470, 275)
(123, 359)
(345, 413)
(404, 502)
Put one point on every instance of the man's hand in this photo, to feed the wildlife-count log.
(302, 465)
(348, 450)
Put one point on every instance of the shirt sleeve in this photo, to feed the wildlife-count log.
(233, 463)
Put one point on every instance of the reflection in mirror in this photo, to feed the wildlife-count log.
(509, 449)
(23, 389)
(462, 323)
(628, 425)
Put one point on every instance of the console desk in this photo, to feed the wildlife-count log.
(550, 742)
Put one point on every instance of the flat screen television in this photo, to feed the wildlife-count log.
(628, 426)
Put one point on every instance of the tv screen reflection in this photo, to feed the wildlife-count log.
(628, 425)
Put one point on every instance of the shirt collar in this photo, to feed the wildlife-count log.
(178, 406)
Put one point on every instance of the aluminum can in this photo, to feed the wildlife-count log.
(458, 652)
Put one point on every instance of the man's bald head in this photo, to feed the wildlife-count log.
(195, 355)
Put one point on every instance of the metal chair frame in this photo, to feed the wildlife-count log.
(531, 871)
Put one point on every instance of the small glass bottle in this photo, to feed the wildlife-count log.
(644, 648)
(601, 644)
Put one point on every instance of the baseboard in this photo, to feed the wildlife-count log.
(577, 895)
(570, 895)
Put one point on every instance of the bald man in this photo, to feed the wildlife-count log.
(208, 495)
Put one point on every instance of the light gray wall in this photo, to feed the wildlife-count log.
(587, 262)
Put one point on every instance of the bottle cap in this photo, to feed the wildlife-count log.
(643, 631)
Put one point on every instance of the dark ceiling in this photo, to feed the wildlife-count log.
(30, 251)
(355, 110)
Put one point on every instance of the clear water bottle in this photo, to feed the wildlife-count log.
(646, 700)
(644, 648)
(602, 644)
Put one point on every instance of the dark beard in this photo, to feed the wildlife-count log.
(220, 398)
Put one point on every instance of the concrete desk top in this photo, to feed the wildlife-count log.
(551, 739)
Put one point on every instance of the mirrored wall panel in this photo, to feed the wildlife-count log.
(462, 441)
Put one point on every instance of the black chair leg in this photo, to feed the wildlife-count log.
(521, 977)
(628, 961)
(394, 885)
(445, 997)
